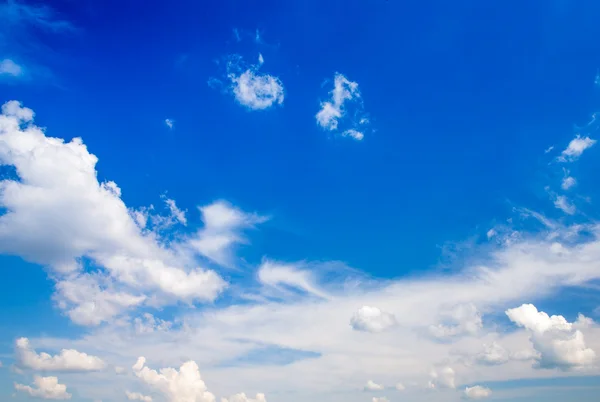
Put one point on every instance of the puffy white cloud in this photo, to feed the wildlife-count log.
(477, 392)
(10, 68)
(57, 213)
(169, 123)
(353, 133)
(45, 388)
(241, 397)
(462, 319)
(561, 202)
(492, 354)
(223, 228)
(373, 386)
(334, 110)
(444, 378)
(252, 89)
(136, 396)
(568, 182)
(183, 385)
(66, 360)
(576, 148)
(558, 342)
(372, 319)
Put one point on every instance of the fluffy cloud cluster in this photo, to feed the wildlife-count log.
(241, 397)
(575, 148)
(253, 89)
(462, 319)
(57, 214)
(444, 378)
(373, 386)
(559, 343)
(45, 388)
(136, 396)
(67, 360)
(183, 385)
(372, 319)
(477, 392)
(334, 110)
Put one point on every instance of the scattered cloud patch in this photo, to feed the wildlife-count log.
(477, 392)
(444, 378)
(372, 319)
(335, 111)
(400, 387)
(568, 182)
(492, 355)
(136, 396)
(66, 360)
(562, 202)
(10, 68)
(373, 386)
(379, 399)
(241, 397)
(45, 388)
(558, 342)
(170, 123)
(575, 148)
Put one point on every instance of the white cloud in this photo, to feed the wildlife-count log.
(253, 89)
(576, 148)
(568, 182)
(477, 392)
(561, 202)
(333, 111)
(556, 340)
(183, 385)
(136, 396)
(492, 354)
(462, 319)
(169, 123)
(67, 360)
(355, 134)
(58, 212)
(45, 388)
(373, 386)
(261, 59)
(223, 228)
(445, 378)
(148, 324)
(380, 399)
(10, 68)
(400, 387)
(241, 397)
(279, 275)
(120, 370)
(372, 319)
(491, 233)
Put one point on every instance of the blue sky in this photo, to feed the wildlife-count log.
(291, 200)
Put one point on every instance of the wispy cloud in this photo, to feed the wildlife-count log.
(10, 68)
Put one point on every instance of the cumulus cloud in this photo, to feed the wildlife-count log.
(462, 319)
(373, 386)
(45, 388)
(575, 148)
(57, 212)
(251, 88)
(241, 397)
(223, 228)
(558, 342)
(66, 360)
(444, 378)
(477, 392)
(136, 396)
(335, 109)
(10, 68)
(372, 319)
(183, 385)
